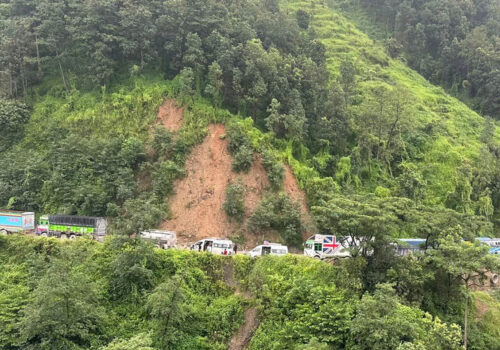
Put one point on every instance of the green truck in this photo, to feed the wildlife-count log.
(71, 226)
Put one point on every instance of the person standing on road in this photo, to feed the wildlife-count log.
(235, 248)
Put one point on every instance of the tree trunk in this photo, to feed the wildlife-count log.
(11, 84)
(24, 81)
(39, 74)
(61, 70)
(465, 320)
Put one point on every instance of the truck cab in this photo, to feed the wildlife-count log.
(42, 228)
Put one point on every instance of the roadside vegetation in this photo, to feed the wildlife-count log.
(380, 152)
(125, 294)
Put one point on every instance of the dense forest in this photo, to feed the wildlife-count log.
(358, 120)
(379, 151)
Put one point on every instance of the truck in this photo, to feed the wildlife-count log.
(326, 246)
(16, 221)
(71, 226)
(162, 239)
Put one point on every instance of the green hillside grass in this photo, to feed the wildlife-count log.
(456, 128)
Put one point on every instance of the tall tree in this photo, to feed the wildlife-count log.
(168, 310)
(464, 263)
(65, 311)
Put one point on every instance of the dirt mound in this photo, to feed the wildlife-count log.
(196, 206)
(170, 115)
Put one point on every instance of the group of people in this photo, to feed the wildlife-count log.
(235, 249)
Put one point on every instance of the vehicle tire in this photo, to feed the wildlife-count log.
(44, 234)
(317, 257)
(72, 237)
(63, 236)
(3, 233)
(494, 279)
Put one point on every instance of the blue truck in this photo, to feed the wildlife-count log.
(16, 221)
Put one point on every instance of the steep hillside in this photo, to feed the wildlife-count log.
(196, 205)
(447, 132)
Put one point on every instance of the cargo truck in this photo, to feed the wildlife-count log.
(72, 226)
(16, 221)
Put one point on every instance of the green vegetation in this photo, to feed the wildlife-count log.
(281, 214)
(379, 151)
(234, 205)
(274, 169)
(117, 295)
(239, 147)
(124, 294)
(451, 43)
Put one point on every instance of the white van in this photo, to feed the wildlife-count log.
(269, 249)
(214, 245)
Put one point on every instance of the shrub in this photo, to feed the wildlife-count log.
(281, 214)
(275, 170)
(240, 147)
(382, 192)
(243, 159)
(234, 206)
(164, 176)
(162, 142)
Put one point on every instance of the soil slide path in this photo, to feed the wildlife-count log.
(241, 339)
(197, 205)
(292, 189)
(170, 116)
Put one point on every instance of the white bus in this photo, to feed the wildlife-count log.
(269, 249)
(214, 245)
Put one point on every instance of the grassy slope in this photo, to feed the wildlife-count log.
(457, 128)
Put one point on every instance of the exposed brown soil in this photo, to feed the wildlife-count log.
(170, 115)
(241, 339)
(197, 203)
(292, 189)
(196, 206)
